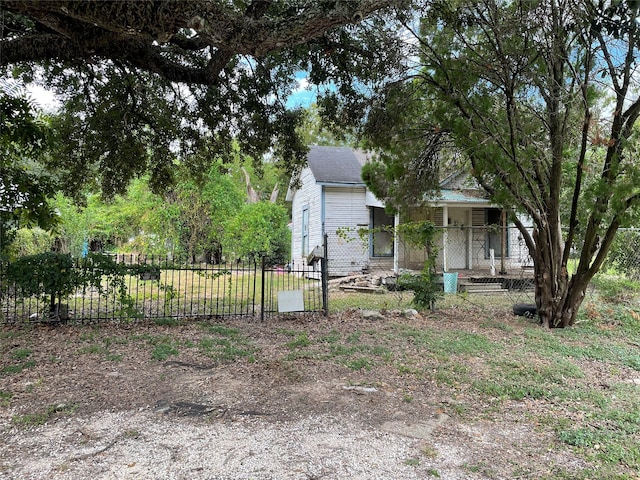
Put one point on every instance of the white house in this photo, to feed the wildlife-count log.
(331, 199)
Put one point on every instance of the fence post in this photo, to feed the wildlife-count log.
(255, 284)
(324, 273)
(262, 299)
(503, 241)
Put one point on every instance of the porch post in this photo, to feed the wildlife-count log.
(470, 240)
(503, 242)
(396, 223)
(445, 236)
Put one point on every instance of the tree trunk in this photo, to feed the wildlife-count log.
(558, 298)
(559, 310)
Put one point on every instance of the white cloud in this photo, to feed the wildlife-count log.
(304, 94)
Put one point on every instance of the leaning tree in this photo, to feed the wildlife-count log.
(542, 100)
(146, 81)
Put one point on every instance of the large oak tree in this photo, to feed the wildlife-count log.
(146, 81)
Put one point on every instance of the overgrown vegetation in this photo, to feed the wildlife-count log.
(623, 258)
(425, 286)
(52, 277)
(514, 93)
(196, 219)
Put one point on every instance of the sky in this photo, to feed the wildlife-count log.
(302, 96)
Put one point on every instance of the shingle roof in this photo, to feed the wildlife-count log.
(336, 164)
(461, 196)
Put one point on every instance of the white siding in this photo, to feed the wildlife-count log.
(309, 194)
(345, 208)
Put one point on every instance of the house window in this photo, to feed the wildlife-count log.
(494, 233)
(305, 230)
(382, 233)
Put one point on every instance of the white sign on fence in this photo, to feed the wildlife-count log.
(290, 301)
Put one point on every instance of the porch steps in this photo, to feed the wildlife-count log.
(355, 288)
(485, 288)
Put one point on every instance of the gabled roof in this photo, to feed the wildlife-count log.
(337, 165)
(343, 166)
(459, 180)
(462, 196)
(461, 187)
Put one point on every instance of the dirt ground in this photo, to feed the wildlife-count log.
(84, 407)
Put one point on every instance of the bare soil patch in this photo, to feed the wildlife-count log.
(282, 399)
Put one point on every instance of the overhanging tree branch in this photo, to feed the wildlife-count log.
(138, 32)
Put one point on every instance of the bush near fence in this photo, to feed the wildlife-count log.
(158, 287)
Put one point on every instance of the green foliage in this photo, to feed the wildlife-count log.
(40, 418)
(189, 219)
(25, 140)
(48, 275)
(616, 289)
(225, 344)
(5, 398)
(315, 131)
(164, 349)
(138, 221)
(162, 97)
(522, 102)
(54, 276)
(425, 286)
(21, 353)
(260, 230)
(301, 340)
(17, 368)
(30, 241)
(202, 210)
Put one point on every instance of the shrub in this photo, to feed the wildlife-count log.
(425, 287)
(30, 241)
(47, 275)
(54, 276)
(260, 230)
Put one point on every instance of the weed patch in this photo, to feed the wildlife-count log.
(300, 341)
(5, 398)
(21, 353)
(164, 349)
(40, 418)
(168, 322)
(15, 369)
(225, 344)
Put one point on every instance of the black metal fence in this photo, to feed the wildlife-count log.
(142, 286)
(286, 290)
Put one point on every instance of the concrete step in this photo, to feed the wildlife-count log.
(502, 291)
(355, 288)
(485, 288)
